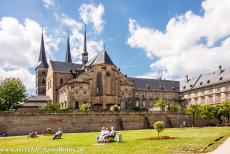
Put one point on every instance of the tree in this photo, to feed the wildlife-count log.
(160, 103)
(159, 126)
(84, 107)
(175, 107)
(130, 105)
(225, 109)
(193, 111)
(207, 112)
(12, 94)
(50, 107)
(218, 112)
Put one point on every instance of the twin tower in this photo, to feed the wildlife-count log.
(42, 67)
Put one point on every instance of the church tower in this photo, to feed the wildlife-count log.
(85, 53)
(68, 57)
(41, 70)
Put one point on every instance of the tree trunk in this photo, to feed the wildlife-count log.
(158, 136)
(193, 119)
(228, 120)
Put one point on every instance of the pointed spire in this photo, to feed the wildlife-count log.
(42, 56)
(85, 46)
(68, 53)
(85, 53)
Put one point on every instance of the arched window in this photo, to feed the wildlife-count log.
(61, 81)
(99, 84)
(43, 81)
(76, 105)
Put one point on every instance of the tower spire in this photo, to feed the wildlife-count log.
(68, 53)
(85, 45)
(85, 53)
(42, 56)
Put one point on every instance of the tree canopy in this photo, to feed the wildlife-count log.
(12, 94)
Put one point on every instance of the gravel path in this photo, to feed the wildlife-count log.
(223, 148)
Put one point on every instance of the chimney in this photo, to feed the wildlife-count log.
(187, 78)
(220, 69)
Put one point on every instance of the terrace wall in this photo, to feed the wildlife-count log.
(20, 123)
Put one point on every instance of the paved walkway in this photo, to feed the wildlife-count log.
(223, 148)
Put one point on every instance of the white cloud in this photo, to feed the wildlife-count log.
(76, 30)
(190, 43)
(22, 73)
(91, 13)
(48, 3)
(19, 48)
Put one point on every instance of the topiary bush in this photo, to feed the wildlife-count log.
(115, 108)
(84, 107)
(49, 131)
(159, 126)
(50, 107)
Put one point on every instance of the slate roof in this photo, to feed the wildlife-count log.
(42, 61)
(155, 84)
(101, 58)
(68, 57)
(39, 98)
(65, 67)
(206, 79)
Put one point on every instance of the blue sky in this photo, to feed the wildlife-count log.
(169, 27)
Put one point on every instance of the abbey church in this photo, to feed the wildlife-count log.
(99, 82)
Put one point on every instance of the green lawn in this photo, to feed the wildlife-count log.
(190, 140)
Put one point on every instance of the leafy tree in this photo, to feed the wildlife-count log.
(50, 107)
(159, 126)
(115, 108)
(161, 104)
(175, 107)
(193, 111)
(84, 107)
(207, 112)
(218, 112)
(225, 109)
(12, 94)
(130, 105)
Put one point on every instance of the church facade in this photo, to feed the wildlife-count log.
(100, 83)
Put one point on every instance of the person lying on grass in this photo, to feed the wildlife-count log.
(58, 134)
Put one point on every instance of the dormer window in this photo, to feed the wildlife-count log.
(191, 85)
(184, 87)
(201, 83)
(221, 78)
(208, 81)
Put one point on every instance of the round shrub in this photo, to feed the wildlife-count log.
(159, 126)
(115, 108)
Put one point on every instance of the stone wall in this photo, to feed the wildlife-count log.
(22, 123)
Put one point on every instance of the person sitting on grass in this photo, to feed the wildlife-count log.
(110, 134)
(33, 134)
(103, 131)
(58, 134)
(103, 134)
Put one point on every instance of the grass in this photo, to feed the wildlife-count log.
(190, 140)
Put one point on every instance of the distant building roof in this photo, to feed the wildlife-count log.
(36, 101)
(101, 58)
(38, 98)
(155, 84)
(65, 67)
(206, 79)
